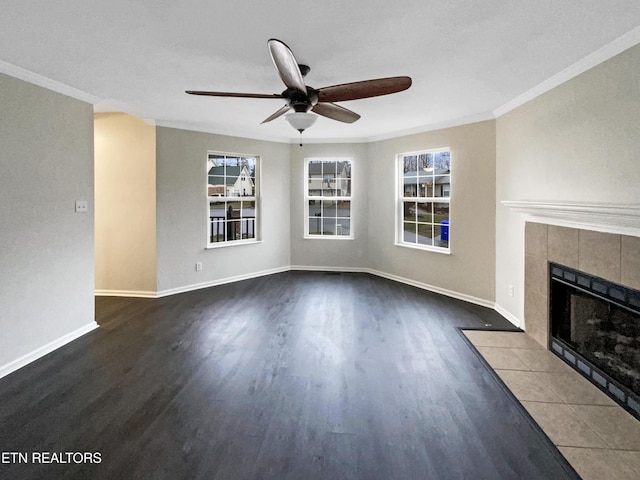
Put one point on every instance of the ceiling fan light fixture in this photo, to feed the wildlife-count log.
(300, 120)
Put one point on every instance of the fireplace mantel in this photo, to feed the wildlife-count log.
(622, 218)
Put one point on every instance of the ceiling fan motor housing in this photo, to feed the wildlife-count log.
(299, 101)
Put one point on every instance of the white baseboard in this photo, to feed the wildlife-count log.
(424, 286)
(508, 315)
(306, 268)
(432, 288)
(314, 268)
(50, 347)
(45, 349)
(126, 293)
(221, 281)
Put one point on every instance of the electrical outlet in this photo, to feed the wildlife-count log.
(81, 206)
(198, 266)
(511, 290)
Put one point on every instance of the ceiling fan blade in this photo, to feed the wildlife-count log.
(280, 112)
(335, 112)
(233, 94)
(363, 89)
(286, 65)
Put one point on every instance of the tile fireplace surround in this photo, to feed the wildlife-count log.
(611, 256)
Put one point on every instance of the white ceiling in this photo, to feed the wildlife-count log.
(467, 58)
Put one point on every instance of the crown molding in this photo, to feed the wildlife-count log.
(42, 81)
(621, 218)
(457, 122)
(619, 45)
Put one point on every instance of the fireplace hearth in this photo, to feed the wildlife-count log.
(595, 328)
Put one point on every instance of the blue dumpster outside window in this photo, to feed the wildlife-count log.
(444, 230)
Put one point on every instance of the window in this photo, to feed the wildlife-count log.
(232, 197)
(328, 199)
(424, 186)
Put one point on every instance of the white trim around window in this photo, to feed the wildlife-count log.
(423, 200)
(233, 199)
(328, 195)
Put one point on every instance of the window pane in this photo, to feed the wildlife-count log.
(425, 234)
(231, 162)
(216, 222)
(423, 162)
(430, 162)
(330, 168)
(442, 227)
(410, 181)
(248, 215)
(441, 211)
(425, 185)
(442, 186)
(245, 177)
(329, 185)
(233, 230)
(315, 208)
(314, 174)
(409, 232)
(442, 161)
(248, 228)
(329, 208)
(344, 209)
(215, 160)
(425, 212)
(252, 165)
(343, 187)
(217, 209)
(328, 226)
(314, 226)
(343, 226)
(410, 210)
(215, 185)
(410, 165)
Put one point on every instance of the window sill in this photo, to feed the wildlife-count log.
(213, 246)
(328, 237)
(425, 248)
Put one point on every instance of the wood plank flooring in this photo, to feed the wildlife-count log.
(299, 375)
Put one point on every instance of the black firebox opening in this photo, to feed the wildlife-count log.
(597, 324)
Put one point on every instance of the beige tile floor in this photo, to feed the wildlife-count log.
(598, 438)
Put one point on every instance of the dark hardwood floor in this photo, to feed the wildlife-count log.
(299, 375)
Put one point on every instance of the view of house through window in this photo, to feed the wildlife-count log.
(424, 199)
(328, 198)
(232, 192)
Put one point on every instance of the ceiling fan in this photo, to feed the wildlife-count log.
(302, 99)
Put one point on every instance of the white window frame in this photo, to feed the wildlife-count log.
(307, 198)
(234, 198)
(401, 199)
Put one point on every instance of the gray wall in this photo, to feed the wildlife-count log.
(331, 252)
(46, 259)
(469, 269)
(181, 212)
(576, 143)
(182, 215)
(468, 272)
